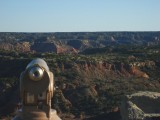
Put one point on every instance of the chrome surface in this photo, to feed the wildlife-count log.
(36, 73)
(38, 62)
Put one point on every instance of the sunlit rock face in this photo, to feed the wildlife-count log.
(141, 106)
(18, 47)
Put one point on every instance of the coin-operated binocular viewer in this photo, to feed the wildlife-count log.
(36, 91)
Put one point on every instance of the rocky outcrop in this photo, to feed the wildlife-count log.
(101, 68)
(18, 47)
(6, 47)
(44, 47)
(141, 106)
(75, 43)
(146, 63)
(23, 47)
(52, 47)
(136, 72)
(78, 44)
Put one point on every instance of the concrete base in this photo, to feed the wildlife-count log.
(37, 115)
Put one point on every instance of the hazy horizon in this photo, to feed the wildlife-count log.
(77, 31)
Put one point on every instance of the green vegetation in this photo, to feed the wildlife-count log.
(95, 93)
(89, 83)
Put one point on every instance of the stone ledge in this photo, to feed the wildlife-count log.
(141, 106)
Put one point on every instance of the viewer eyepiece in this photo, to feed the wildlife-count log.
(36, 73)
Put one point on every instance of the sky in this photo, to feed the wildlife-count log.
(79, 15)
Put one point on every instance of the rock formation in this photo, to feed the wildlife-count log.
(141, 106)
(102, 67)
(19, 47)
